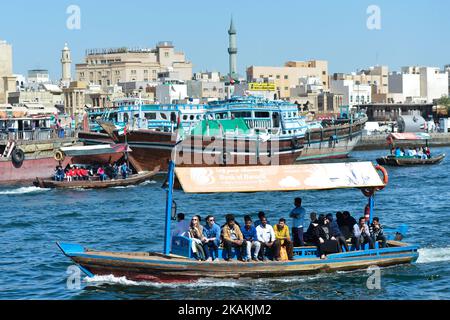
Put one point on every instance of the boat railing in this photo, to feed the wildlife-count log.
(38, 135)
(258, 124)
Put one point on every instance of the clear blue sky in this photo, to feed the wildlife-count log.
(270, 32)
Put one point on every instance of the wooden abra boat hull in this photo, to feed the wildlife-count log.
(161, 268)
(399, 162)
(133, 180)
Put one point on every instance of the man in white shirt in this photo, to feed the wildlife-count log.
(266, 236)
(182, 227)
(361, 235)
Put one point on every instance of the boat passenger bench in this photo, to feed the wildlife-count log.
(182, 246)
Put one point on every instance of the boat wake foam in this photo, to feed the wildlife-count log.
(99, 280)
(23, 190)
(428, 255)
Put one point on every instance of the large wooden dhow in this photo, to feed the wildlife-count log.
(333, 140)
(176, 264)
(210, 143)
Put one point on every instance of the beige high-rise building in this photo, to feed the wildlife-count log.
(111, 66)
(7, 80)
(289, 75)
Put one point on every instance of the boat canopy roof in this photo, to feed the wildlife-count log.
(409, 136)
(279, 178)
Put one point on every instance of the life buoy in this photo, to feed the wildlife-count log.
(59, 156)
(17, 157)
(385, 177)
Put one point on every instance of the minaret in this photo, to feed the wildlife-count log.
(232, 51)
(66, 63)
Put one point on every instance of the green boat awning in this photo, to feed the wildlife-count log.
(220, 127)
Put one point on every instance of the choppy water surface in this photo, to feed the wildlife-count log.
(131, 219)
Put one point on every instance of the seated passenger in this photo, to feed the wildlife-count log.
(283, 239)
(261, 215)
(84, 174)
(266, 236)
(59, 174)
(70, 174)
(348, 222)
(233, 238)
(428, 152)
(182, 227)
(361, 235)
(109, 171)
(326, 244)
(101, 173)
(211, 232)
(251, 238)
(197, 237)
(308, 236)
(124, 170)
(398, 152)
(336, 233)
(376, 232)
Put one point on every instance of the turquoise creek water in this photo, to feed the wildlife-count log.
(132, 219)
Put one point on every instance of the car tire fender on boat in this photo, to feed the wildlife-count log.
(17, 157)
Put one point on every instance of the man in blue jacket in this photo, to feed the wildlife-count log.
(211, 231)
(250, 236)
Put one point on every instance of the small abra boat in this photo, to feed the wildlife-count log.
(176, 262)
(392, 160)
(408, 161)
(96, 183)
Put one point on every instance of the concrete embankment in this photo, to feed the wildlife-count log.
(379, 141)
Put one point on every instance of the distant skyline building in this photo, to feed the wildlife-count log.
(7, 79)
(66, 64)
(232, 51)
(106, 67)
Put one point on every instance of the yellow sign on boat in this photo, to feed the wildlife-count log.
(279, 178)
(254, 86)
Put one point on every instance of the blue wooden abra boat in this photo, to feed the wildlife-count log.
(176, 263)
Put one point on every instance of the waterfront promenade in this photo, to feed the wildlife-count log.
(378, 141)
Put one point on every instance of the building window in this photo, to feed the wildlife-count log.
(286, 77)
(286, 88)
(145, 71)
(166, 54)
(278, 76)
(133, 71)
